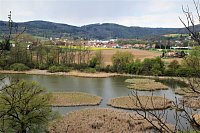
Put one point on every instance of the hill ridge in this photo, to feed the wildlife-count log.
(101, 31)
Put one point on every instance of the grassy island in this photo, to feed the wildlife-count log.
(186, 92)
(101, 120)
(147, 102)
(74, 99)
(192, 102)
(145, 85)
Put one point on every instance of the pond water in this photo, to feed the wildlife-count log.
(104, 87)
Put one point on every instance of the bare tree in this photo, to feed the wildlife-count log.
(7, 37)
(181, 111)
(190, 23)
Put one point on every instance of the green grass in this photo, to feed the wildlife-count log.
(175, 35)
(84, 48)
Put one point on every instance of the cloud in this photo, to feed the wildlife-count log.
(153, 13)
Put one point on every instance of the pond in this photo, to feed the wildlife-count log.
(106, 88)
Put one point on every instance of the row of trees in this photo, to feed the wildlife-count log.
(123, 62)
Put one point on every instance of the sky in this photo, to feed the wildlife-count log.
(143, 13)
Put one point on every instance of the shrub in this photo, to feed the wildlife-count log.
(187, 72)
(19, 67)
(42, 66)
(89, 70)
(153, 66)
(79, 66)
(170, 72)
(174, 65)
(120, 61)
(107, 69)
(134, 67)
(53, 69)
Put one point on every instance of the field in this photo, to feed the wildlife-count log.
(138, 54)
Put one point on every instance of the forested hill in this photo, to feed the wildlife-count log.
(92, 31)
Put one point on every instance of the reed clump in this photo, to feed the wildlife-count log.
(192, 102)
(145, 85)
(74, 99)
(101, 120)
(186, 92)
(140, 102)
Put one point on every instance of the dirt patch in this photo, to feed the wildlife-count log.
(101, 120)
(146, 102)
(145, 85)
(74, 99)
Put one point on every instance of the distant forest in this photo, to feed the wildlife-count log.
(93, 31)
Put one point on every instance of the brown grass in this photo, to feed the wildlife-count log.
(71, 73)
(101, 120)
(147, 102)
(74, 99)
(191, 102)
(138, 54)
(196, 118)
(186, 92)
(145, 85)
(139, 81)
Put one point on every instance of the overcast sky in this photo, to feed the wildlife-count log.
(144, 13)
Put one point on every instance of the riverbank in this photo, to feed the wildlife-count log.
(86, 75)
(71, 73)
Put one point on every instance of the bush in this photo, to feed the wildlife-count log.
(170, 72)
(19, 67)
(53, 69)
(134, 67)
(79, 66)
(153, 66)
(187, 72)
(42, 66)
(107, 69)
(89, 70)
(120, 61)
